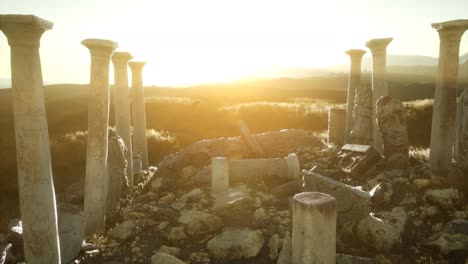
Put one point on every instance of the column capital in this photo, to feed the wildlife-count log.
(121, 58)
(452, 28)
(100, 47)
(355, 53)
(24, 30)
(378, 44)
(136, 65)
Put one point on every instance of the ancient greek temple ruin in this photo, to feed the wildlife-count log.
(370, 133)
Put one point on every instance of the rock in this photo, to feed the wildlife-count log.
(199, 257)
(194, 195)
(175, 233)
(348, 259)
(158, 184)
(422, 184)
(163, 258)
(274, 246)
(71, 232)
(453, 238)
(383, 231)
(75, 193)
(123, 231)
(391, 121)
(285, 255)
(233, 207)
(260, 217)
(357, 160)
(199, 223)
(174, 251)
(445, 198)
(236, 243)
(15, 237)
(167, 199)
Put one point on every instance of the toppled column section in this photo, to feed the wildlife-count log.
(336, 126)
(35, 182)
(314, 228)
(118, 182)
(357, 160)
(140, 145)
(362, 130)
(219, 175)
(98, 122)
(461, 137)
(378, 48)
(352, 202)
(354, 81)
(391, 120)
(445, 98)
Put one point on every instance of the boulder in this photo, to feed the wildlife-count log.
(123, 231)
(445, 198)
(199, 223)
(274, 246)
(236, 243)
(357, 160)
(163, 258)
(453, 238)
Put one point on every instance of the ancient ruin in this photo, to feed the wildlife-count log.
(443, 117)
(336, 126)
(362, 130)
(122, 106)
(461, 136)
(378, 48)
(140, 146)
(354, 84)
(98, 121)
(391, 121)
(36, 187)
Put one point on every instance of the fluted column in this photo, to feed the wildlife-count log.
(138, 112)
(445, 100)
(354, 81)
(35, 181)
(378, 47)
(122, 106)
(95, 197)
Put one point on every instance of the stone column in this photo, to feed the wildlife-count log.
(138, 112)
(219, 175)
(336, 126)
(314, 228)
(378, 48)
(269, 168)
(35, 181)
(354, 81)
(122, 106)
(95, 197)
(443, 117)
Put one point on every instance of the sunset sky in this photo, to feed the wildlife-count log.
(191, 42)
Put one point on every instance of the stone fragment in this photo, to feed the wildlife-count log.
(175, 233)
(199, 223)
(236, 243)
(163, 258)
(174, 251)
(199, 258)
(362, 130)
(348, 259)
(352, 202)
(357, 160)
(260, 217)
(274, 246)
(71, 232)
(391, 121)
(461, 135)
(285, 255)
(336, 126)
(193, 196)
(15, 237)
(454, 237)
(233, 206)
(383, 231)
(445, 198)
(123, 231)
(159, 184)
(118, 180)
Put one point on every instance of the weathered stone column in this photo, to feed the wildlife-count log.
(122, 106)
(249, 169)
(354, 81)
(314, 228)
(461, 134)
(378, 48)
(138, 112)
(219, 175)
(35, 182)
(95, 197)
(336, 126)
(443, 116)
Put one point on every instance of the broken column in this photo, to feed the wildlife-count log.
(35, 182)
(117, 181)
(443, 117)
(391, 121)
(362, 130)
(122, 106)
(314, 228)
(336, 126)
(219, 175)
(138, 112)
(354, 81)
(98, 120)
(378, 48)
(461, 135)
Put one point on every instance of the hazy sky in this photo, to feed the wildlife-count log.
(194, 41)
